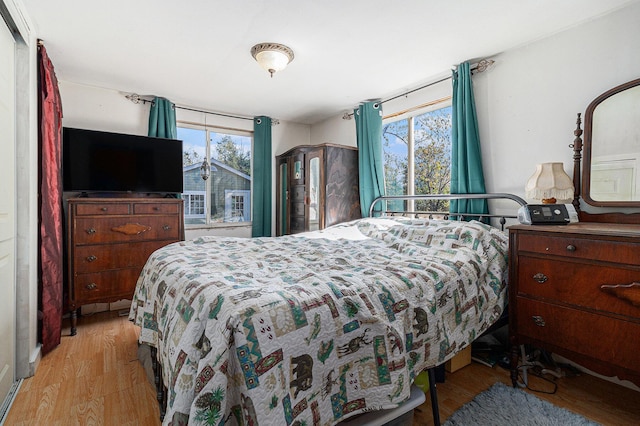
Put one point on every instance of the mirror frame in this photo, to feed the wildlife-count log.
(588, 145)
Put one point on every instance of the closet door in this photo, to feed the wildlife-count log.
(7, 210)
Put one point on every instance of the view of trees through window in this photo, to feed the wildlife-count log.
(226, 195)
(425, 142)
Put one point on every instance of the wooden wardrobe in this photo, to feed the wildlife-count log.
(317, 186)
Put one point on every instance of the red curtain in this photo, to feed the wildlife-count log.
(50, 203)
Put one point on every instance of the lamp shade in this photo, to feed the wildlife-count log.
(272, 56)
(548, 183)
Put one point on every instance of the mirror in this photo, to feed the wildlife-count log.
(611, 161)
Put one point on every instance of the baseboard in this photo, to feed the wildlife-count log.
(120, 305)
(94, 308)
(8, 401)
(614, 379)
(34, 359)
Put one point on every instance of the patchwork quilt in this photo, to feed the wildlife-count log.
(313, 328)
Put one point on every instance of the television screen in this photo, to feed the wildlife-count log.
(94, 161)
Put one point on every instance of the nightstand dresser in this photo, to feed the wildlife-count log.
(575, 291)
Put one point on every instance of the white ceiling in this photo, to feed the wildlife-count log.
(197, 52)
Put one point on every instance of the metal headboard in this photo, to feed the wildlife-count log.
(446, 215)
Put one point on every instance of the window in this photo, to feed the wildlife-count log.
(417, 157)
(194, 204)
(225, 197)
(236, 206)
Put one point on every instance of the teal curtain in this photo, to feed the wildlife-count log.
(162, 119)
(466, 159)
(261, 222)
(370, 154)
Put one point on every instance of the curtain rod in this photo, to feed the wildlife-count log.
(479, 67)
(136, 99)
(417, 107)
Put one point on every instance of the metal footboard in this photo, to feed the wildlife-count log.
(411, 199)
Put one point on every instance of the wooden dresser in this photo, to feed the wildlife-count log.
(109, 241)
(575, 291)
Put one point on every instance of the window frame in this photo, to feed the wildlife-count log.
(410, 114)
(208, 129)
(187, 204)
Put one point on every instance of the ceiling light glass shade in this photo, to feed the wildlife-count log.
(548, 183)
(272, 56)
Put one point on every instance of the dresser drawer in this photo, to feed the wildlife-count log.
(100, 209)
(576, 283)
(106, 285)
(96, 258)
(297, 209)
(155, 208)
(126, 229)
(604, 338)
(603, 250)
(298, 194)
(580, 248)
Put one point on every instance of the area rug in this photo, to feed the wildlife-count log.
(508, 406)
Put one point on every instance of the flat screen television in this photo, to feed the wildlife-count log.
(103, 162)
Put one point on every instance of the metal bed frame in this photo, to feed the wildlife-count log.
(447, 216)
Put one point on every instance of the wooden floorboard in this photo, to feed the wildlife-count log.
(94, 378)
(596, 399)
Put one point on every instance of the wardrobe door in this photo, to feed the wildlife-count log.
(297, 193)
(314, 199)
(282, 196)
(342, 200)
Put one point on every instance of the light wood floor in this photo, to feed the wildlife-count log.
(94, 378)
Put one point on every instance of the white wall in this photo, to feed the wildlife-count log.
(527, 104)
(528, 101)
(94, 108)
(334, 130)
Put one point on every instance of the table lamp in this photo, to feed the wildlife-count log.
(548, 183)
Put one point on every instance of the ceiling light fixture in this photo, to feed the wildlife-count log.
(272, 56)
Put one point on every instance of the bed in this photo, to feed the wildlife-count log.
(315, 328)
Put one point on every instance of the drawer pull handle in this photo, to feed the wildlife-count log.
(91, 231)
(540, 278)
(91, 258)
(571, 248)
(104, 209)
(92, 286)
(538, 320)
(156, 208)
(166, 227)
